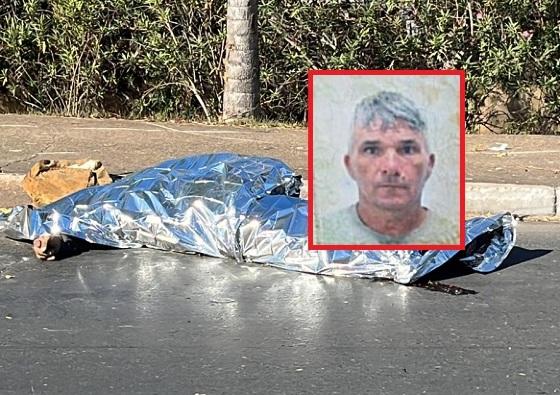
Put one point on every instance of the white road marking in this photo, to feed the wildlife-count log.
(213, 131)
(109, 128)
(217, 137)
(19, 126)
(56, 152)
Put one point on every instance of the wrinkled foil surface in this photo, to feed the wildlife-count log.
(245, 208)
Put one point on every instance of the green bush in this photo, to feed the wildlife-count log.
(130, 57)
(163, 58)
(509, 49)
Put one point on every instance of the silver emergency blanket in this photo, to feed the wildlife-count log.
(245, 208)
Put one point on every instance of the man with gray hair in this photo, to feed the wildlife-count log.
(389, 159)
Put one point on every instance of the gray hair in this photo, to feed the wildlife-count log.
(388, 107)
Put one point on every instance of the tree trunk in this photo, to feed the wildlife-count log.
(241, 79)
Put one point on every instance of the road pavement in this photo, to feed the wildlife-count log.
(145, 321)
(152, 322)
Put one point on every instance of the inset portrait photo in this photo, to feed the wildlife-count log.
(386, 162)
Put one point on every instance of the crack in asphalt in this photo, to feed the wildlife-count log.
(46, 147)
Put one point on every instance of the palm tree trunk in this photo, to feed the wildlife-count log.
(241, 79)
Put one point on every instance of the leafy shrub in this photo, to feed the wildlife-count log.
(509, 49)
(164, 58)
(129, 57)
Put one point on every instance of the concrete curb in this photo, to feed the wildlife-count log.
(523, 200)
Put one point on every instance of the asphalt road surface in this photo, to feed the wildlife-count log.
(152, 322)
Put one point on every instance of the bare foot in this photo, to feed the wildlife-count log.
(46, 247)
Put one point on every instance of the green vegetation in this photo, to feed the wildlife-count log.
(164, 58)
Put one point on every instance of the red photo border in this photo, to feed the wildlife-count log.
(311, 244)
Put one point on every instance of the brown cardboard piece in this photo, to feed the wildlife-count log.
(50, 180)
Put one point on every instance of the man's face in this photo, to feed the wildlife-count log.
(390, 165)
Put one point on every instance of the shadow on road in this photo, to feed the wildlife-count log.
(519, 255)
(454, 268)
